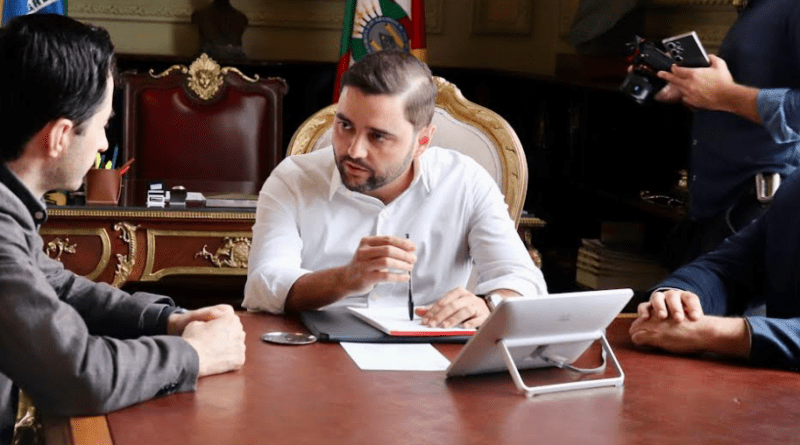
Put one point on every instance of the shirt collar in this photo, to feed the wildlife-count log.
(422, 172)
(35, 206)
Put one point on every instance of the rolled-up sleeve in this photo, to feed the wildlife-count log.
(276, 252)
(779, 109)
(501, 259)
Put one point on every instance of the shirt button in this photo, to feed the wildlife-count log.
(38, 215)
(694, 141)
(375, 297)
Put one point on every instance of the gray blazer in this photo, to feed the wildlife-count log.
(75, 346)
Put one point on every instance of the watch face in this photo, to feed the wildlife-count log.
(288, 338)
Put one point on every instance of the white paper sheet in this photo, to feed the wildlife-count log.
(396, 357)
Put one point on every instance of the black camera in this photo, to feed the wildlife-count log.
(642, 83)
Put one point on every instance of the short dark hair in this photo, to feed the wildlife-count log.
(394, 72)
(53, 67)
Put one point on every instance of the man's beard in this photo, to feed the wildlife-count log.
(373, 181)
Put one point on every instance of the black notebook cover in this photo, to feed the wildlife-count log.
(335, 325)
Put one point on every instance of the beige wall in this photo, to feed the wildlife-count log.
(310, 29)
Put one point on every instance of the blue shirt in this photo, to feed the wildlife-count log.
(762, 50)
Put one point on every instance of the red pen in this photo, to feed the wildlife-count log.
(126, 166)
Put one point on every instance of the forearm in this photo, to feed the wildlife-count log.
(742, 101)
(726, 336)
(317, 289)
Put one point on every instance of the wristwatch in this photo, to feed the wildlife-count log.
(492, 300)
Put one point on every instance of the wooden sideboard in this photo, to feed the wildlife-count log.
(125, 245)
(119, 245)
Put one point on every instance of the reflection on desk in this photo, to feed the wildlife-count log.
(118, 245)
(315, 394)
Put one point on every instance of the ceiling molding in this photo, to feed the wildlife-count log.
(683, 3)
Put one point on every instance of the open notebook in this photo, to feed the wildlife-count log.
(394, 321)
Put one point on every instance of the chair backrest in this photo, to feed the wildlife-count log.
(460, 125)
(208, 128)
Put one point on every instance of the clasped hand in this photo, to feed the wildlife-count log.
(216, 334)
(672, 320)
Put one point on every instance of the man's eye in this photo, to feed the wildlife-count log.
(378, 137)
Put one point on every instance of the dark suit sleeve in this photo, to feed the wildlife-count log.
(106, 310)
(759, 262)
(51, 347)
(722, 278)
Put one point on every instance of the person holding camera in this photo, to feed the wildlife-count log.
(744, 135)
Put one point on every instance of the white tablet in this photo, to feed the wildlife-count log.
(538, 331)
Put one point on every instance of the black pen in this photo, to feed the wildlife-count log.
(410, 298)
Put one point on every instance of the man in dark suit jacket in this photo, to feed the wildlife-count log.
(73, 346)
(759, 265)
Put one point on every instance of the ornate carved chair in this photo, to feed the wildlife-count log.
(461, 125)
(208, 128)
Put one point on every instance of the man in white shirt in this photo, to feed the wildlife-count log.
(353, 223)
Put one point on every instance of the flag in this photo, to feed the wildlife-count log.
(374, 25)
(13, 8)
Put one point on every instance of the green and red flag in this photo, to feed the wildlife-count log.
(375, 25)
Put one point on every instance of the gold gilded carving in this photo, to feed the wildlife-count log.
(204, 76)
(125, 262)
(150, 274)
(28, 427)
(312, 129)
(167, 71)
(59, 247)
(515, 178)
(233, 253)
(105, 241)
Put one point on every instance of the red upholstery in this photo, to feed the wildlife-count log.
(227, 144)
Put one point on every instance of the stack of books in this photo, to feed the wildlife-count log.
(601, 266)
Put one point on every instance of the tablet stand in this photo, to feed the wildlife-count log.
(505, 344)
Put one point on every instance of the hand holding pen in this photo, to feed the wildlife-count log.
(378, 259)
(410, 296)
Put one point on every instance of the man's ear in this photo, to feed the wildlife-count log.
(58, 135)
(424, 138)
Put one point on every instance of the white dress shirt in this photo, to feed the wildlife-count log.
(307, 221)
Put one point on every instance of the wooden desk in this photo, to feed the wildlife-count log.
(316, 395)
(118, 245)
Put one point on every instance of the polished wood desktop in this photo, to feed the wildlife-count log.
(315, 394)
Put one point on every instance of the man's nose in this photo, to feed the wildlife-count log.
(358, 147)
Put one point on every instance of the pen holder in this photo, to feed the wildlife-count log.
(103, 186)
